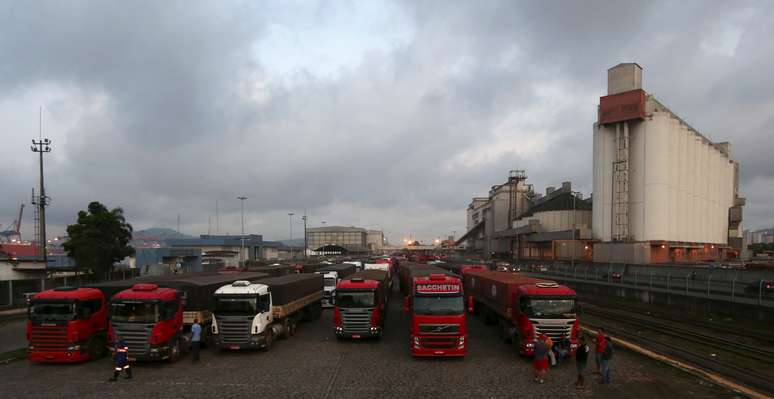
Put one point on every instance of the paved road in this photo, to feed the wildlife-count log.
(314, 365)
(13, 335)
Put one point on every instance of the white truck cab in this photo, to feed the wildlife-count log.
(242, 316)
(330, 280)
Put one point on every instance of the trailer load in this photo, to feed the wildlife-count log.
(254, 314)
(436, 306)
(273, 270)
(67, 325)
(154, 314)
(360, 303)
(524, 307)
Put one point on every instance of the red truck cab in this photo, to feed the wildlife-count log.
(526, 306)
(150, 319)
(437, 310)
(360, 306)
(67, 325)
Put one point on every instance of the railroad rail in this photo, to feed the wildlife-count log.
(619, 324)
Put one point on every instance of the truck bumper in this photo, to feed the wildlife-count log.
(256, 341)
(70, 356)
(154, 354)
(374, 332)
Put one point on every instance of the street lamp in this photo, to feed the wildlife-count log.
(242, 203)
(290, 222)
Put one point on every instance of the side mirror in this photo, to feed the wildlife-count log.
(406, 304)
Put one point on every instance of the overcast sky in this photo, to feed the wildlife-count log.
(382, 115)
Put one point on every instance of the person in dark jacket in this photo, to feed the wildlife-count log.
(121, 360)
(581, 359)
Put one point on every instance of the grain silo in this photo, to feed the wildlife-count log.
(663, 192)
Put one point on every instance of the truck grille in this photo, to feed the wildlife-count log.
(136, 336)
(48, 338)
(356, 320)
(439, 328)
(235, 329)
(556, 330)
(438, 342)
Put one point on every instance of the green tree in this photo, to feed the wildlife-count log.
(99, 238)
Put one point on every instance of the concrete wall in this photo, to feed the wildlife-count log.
(637, 253)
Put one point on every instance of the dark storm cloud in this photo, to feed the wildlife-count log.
(183, 113)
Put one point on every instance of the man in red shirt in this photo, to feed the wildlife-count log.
(599, 349)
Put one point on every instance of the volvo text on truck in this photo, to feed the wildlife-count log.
(252, 315)
(523, 307)
(67, 325)
(360, 303)
(154, 315)
(436, 306)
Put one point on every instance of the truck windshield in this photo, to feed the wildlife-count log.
(236, 306)
(134, 311)
(537, 307)
(354, 299)
(330, 282)
(438, 305)
(42, 311)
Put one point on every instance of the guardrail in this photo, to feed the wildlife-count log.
(690, 283)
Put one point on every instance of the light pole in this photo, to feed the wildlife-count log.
(305, 243)
(242, 203)
(290, 223)
(572, 230)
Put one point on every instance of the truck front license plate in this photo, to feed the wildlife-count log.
(234, 347)
(356, 336)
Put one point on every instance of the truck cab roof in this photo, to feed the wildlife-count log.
(147, 292)
(243, 287)
(358, 283)
(67, 293)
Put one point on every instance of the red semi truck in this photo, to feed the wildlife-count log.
(436, 305)
(67, 325)
(154, 314)
(523, 307)
(360, 304)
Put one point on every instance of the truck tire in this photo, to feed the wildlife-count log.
(96, 348)
(292, 327)
(269, 340)
(174, 352)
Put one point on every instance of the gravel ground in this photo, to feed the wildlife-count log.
(314, 365)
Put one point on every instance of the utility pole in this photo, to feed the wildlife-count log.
(178, 224)
(290, 223)
(42, 146)
(217, 218)
(305, 242)
(242, 203)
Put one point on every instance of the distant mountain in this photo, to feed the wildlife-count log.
(157, 233)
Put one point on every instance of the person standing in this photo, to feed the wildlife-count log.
(196, 340)
(581, 359)
(599, 349)
(540, 361)
(121, 361)
(550, 344)
(607, 356)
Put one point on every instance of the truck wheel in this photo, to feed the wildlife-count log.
(292, 328)
(269, 340)
(95, 348)
(174, 352)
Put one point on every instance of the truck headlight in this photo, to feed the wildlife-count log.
(74, 348)
(530, 345)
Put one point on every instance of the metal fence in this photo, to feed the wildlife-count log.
(705, 283)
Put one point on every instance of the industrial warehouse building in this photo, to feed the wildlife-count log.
(663, 192)
(351, 239)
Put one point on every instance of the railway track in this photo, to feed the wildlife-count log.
(758, 353)
(620, 325)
